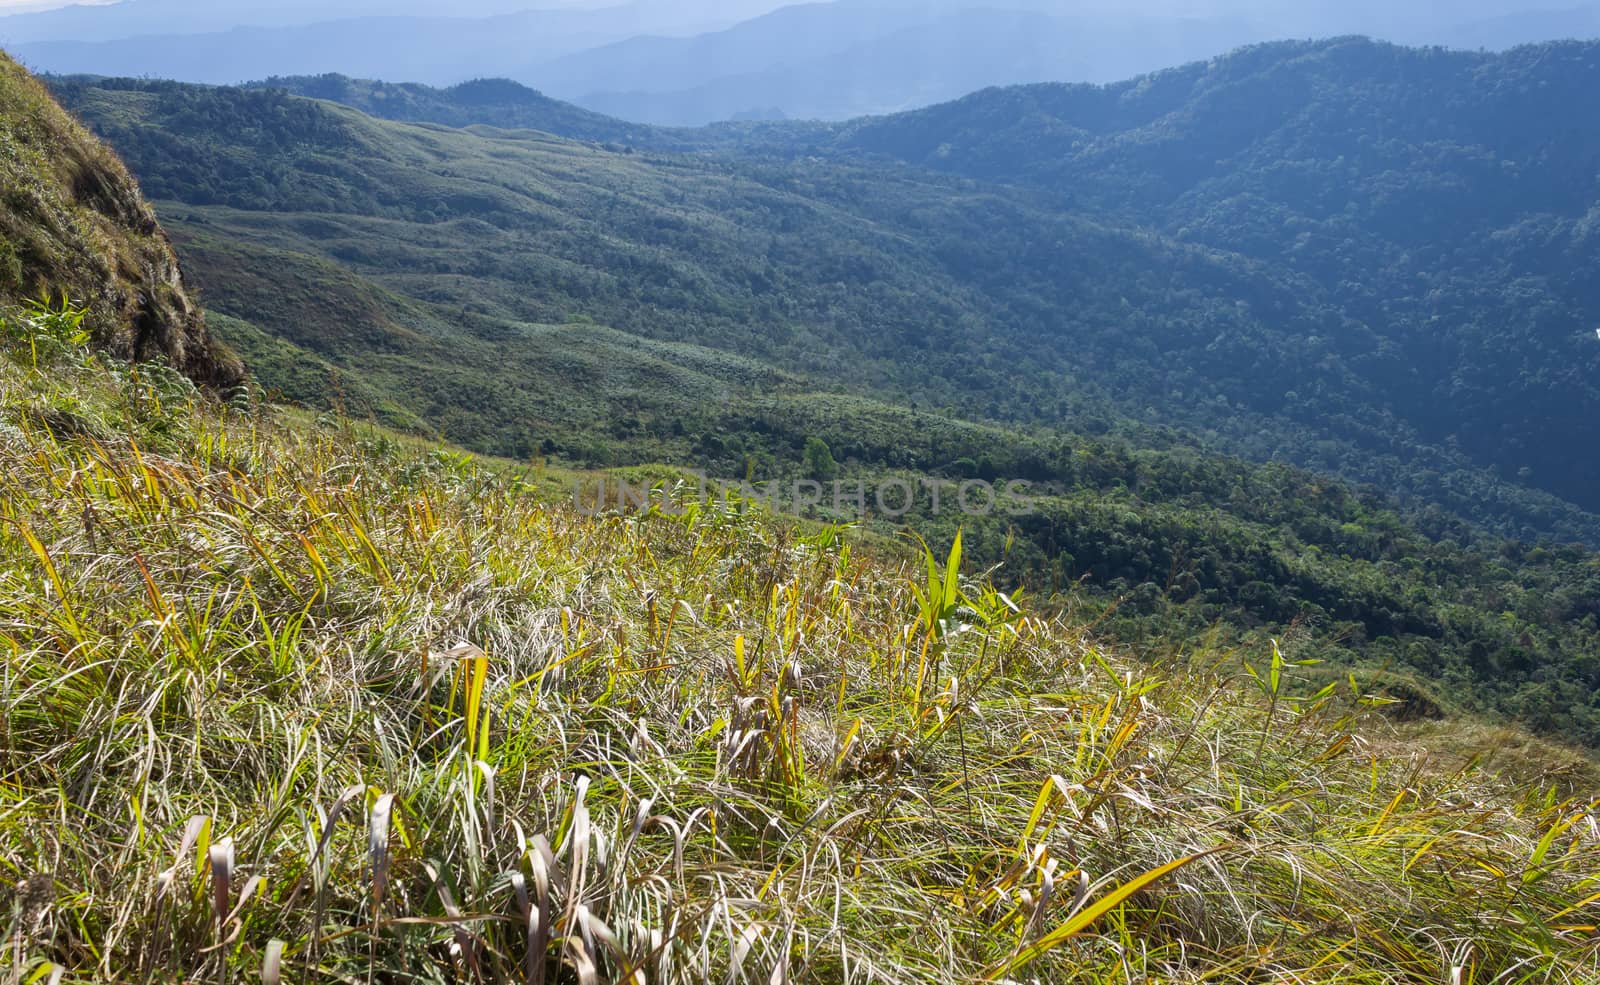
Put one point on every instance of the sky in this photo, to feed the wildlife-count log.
(1192, 7)
(1410, 21)
(21, 6)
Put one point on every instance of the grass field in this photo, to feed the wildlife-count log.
(288, 699)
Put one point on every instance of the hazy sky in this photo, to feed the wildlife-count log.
(1406, 20)
(1164, 6)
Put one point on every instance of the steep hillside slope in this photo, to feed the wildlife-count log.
(360, 711)
(74, 223)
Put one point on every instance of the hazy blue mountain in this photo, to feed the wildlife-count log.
(787, 37)
(153, 18)
(1498, 32)
(689, 62)
(856, 57)
(196, 43)
(437, 50)
(1492, 24)
(929, 62)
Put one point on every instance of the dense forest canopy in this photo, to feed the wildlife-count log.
(1438, 206)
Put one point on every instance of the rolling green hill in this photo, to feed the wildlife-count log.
(528, 295)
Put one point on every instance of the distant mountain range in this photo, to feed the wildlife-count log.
(830, 62)
(690, 64)
(91, 22)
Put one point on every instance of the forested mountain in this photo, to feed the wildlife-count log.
(497, 103)
(530, 295)
(1437, 208)
(829, 268)
(1425, 215)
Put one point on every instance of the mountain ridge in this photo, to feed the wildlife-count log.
(831, 60)
(776, 156)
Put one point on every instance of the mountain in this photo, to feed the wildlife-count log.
(423, 46)
(498, 103)
(435, 49)
(91, 22)
(1499, 32)
(835, 61)
(531, 296)
(76, 224)
(1442, 204)
(126, 19)
(1359, 178)
(805, 63)
(689, 64)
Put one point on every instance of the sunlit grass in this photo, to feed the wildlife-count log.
(282, 702)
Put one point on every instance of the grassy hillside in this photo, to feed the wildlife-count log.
(73, 221)
(308, 702)
(534, 297)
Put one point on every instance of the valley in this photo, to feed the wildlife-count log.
(1140, 532)
(622, 296)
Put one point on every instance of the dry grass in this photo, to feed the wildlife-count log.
(282, 703)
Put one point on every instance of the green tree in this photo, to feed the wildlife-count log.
(818, 460)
